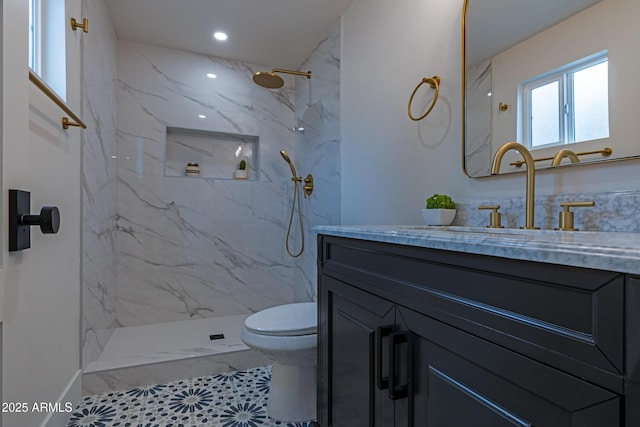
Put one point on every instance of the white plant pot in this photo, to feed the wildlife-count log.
(240, 174)
(438, 216)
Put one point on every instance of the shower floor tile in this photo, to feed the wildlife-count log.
(234, 399)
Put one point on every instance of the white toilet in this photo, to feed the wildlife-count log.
(288, 334)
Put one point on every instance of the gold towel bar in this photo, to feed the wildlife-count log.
(434, 83)
(40, 84)
(605, 152)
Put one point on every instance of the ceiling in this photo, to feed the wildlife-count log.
(495, 25)
(276, 33)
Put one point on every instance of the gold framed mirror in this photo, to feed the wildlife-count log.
(508, 44)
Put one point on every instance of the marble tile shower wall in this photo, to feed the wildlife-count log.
(617, 211)
(98, 181)
(478, 147)
(196, 247)
(317, 106)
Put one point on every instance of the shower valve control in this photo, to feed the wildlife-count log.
(308, 186)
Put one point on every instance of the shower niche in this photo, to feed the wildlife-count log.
(210, 154)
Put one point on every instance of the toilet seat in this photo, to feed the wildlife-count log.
(285, 320)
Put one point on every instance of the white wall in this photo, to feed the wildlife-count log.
(42, 284)
(391, 164)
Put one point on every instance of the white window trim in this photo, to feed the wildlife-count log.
(49, 44)
(526, 93)
(36, 45)
(564, 75)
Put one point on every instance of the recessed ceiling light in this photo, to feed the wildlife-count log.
(220, 36)
(202, 116)
(211, 75)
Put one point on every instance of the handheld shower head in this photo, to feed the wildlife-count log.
(287, 159)
(308, 189)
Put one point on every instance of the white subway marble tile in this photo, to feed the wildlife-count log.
(193, 247)
(318, 151)
(198, 247)
(98, 181)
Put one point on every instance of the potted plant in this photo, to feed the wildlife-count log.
(241, 172)
(439, 210)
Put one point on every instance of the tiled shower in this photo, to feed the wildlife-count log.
(159, 246)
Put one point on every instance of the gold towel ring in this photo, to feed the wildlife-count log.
(434, 83)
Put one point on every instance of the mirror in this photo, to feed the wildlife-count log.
(507, 44)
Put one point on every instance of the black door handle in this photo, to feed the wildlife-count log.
(48, 220)
(397, 391)
(382, 332)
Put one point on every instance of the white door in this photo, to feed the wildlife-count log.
(40, 286)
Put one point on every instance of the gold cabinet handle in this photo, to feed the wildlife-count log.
(566, 216)
(494, 216)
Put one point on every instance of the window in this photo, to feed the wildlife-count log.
(567, 105)
(34, 35)
(47, 43)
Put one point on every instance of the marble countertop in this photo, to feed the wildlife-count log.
(599, 250)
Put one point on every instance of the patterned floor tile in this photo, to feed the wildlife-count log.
(234, 399)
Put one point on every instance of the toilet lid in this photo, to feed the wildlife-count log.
(285, 320)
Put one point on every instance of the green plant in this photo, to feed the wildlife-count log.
(243, 165)
(440, 201)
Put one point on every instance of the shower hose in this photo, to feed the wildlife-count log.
(296, 196)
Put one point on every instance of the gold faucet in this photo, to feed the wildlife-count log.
(562, 154)
(531, 175)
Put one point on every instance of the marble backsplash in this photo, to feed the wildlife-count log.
(617, 211)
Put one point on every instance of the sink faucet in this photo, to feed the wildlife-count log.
(562, 154)
(531, 175)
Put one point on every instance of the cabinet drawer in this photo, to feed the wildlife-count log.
(567, 317)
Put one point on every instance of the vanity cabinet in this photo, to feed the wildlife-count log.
(415, 336)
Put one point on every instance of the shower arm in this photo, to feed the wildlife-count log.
(306, 74)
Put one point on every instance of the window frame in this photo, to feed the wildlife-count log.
(48, 43)
(35, 36)
(566, 120)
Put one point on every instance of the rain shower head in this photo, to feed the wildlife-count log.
(287, 159)
(270, 80)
